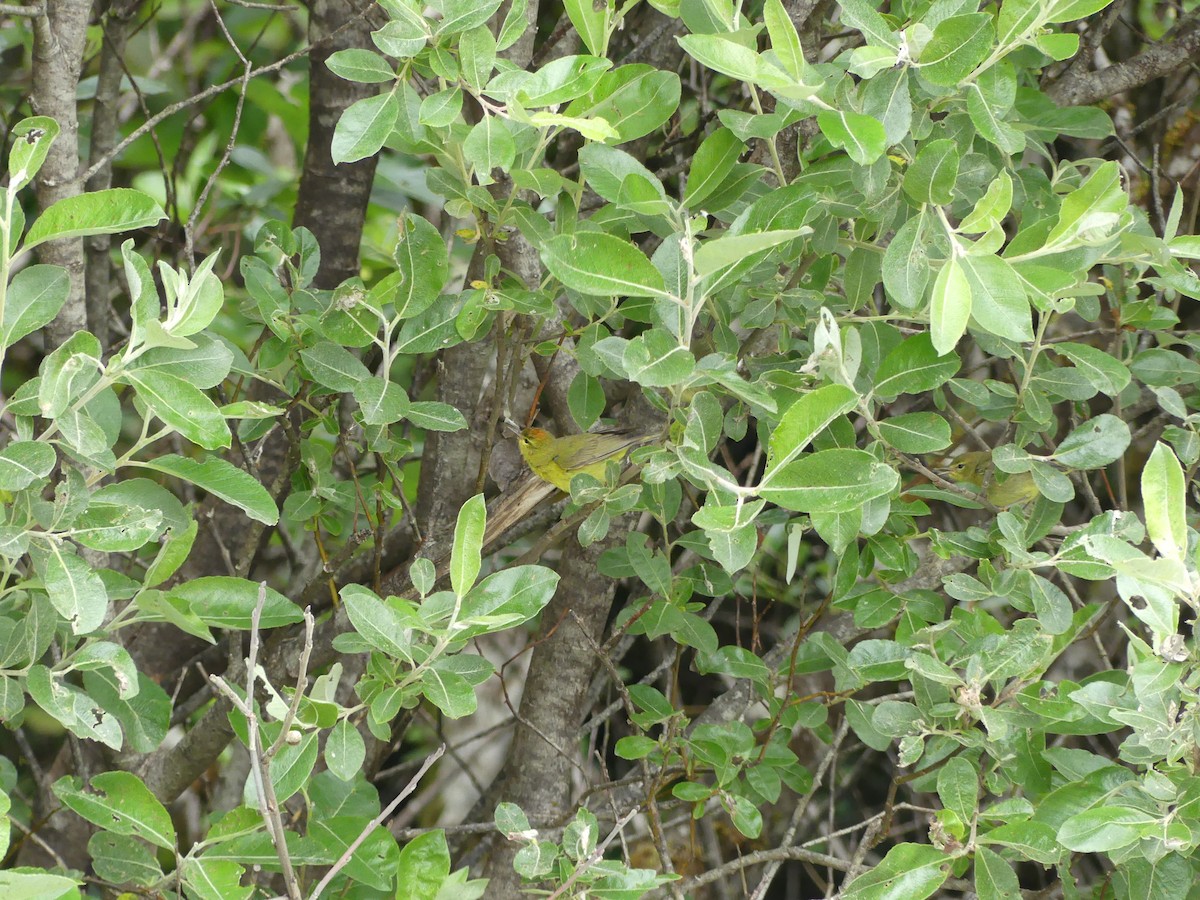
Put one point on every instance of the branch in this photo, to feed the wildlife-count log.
(1088, 87)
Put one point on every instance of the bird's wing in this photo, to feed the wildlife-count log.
(613, 441)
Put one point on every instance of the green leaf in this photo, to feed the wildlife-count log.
(734, 662)
(593, 262)
(591, 23)
(863, 16)
(914, 367)
(906, 264)
(460, 15)
(121, 858)
(921, 432)
(958, 787)
(607, 169)
(994, 876)
(720, 253)
(31, 140)
(988, 119)
(1164, 497)
(477, 57)
(1168, 878)
(1093, 207)
(124, 860)
(1094, 444)
(784, 39)
(423, 575)
(383, 625)
(223, 601)
(449, 692)
(24, 462)
(432, 330)
(592, 129)
(931, 177)
(74, 588)
(1070, 10)
(746, 817)
(515, 25)
(517, 593)
(888, 98)
(363, 127)
(35, 295)
(192, 304)
(382, 402)
(868, 61)
(466, 554)
(1109, 376)
(405, 35)
(443, 108)
(713, 161)
(687, 628)
(998, 301)
(98, 212)
(804, 420)
(733, 549)
(655, 359)
(908, 872)
(333, 366)
(1050, 605)
(38, 886)
(205, 365)
(634, 100)
(862, 137)
(950, 306)
(345, 750)
(830, 481)
(290, 769)
(222, 479)
(424, 865)
(121, 803)
(958, 45)
(634, 746)
(585, 398)
(144, 717)
(75, 710)
(158, 607)
(1103, 829)
(181, 405)
(489, 145)
(562, 80)
(722, 55)
(434, 416)
(115, 526)
(992, 208)
(363, 66)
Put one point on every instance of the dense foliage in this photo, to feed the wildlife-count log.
(282, 610)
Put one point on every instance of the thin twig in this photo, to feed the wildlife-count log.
(268, 803)
(596, 855)
(169, 111)
(189, 230)
(301, 684)
(789, 835)
(376, 822)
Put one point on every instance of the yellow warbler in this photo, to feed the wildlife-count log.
(976, 466)
(558, 459)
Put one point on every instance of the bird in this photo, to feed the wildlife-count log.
(558, 459)
(1003, 490)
